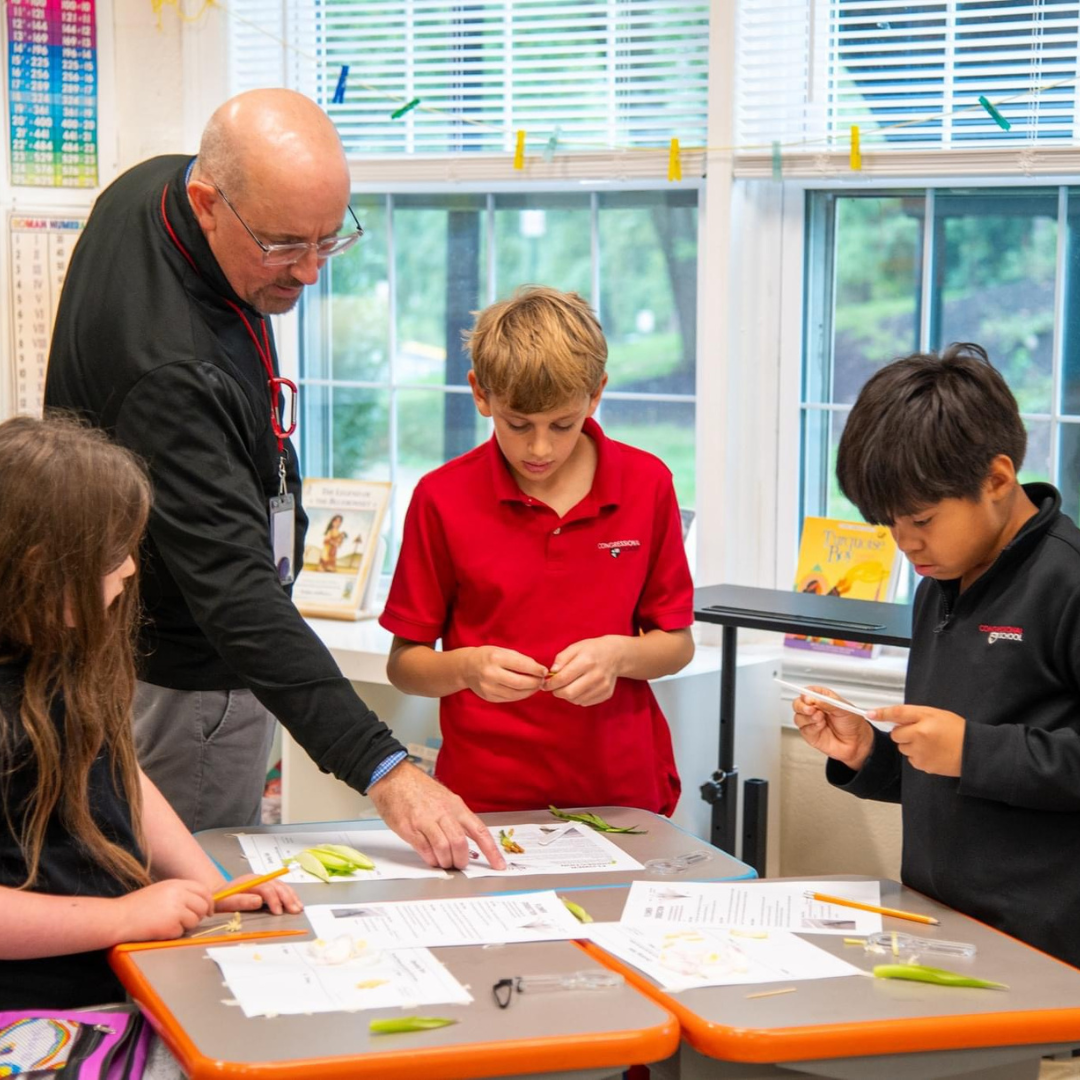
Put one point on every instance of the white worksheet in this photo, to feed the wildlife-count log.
(687, 959)
(762, 905)
(271, 979)
(392, 856)
(566, 848)
(486, 920)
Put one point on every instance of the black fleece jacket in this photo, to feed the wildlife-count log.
(1001, 842)
(147, 347)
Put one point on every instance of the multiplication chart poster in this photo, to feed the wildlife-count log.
(41, 247)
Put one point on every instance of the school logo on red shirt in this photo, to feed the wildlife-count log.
(1002, 633)
(615, 547)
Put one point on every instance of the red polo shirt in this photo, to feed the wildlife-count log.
(482, 563)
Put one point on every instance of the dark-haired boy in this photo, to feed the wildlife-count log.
(985, 754)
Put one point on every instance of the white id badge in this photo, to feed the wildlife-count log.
(283, 536)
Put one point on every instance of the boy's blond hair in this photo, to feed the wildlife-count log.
(538, 350)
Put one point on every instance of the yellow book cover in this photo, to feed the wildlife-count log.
(845, 558)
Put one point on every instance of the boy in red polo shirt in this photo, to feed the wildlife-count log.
(550, 563)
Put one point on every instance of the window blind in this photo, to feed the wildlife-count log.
(908, 74)
(600, 73)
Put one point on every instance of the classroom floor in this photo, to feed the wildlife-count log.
(1060, 1070)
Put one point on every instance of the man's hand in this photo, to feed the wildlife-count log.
(844, 736)
(586, 672)
(497, 674)
(931, 739)
(431, 818)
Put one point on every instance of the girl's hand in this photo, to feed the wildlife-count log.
(844, 736)
(163, 910)
(276, 895)
(497, 674)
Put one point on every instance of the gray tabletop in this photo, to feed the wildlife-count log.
(566, 1031)
(846, 1017)
(661, 839)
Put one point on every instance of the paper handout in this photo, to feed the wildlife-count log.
(551, 849)
(271, 979)
(392, 856)
(686, 959)
(764, 905)
(488, 920)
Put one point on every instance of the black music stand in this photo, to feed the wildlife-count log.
(786, 612)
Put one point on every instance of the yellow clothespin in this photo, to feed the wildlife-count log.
(519, 152)
(674, 164)
(856, 150)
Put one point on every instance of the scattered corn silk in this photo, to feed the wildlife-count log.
(342, 950)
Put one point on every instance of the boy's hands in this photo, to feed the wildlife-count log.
(931, 739)
(276, 895)
(586, 672)
(163, 910)
(841, 735)
(497, 674)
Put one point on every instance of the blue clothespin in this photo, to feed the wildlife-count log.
(339, 93)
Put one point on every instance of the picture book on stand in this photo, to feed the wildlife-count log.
(845, 558)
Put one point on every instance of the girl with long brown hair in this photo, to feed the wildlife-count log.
(91, 854)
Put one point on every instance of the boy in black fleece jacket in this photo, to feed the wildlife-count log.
(985, 755)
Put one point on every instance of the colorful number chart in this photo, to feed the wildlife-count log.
(40, 250)
(52, 90)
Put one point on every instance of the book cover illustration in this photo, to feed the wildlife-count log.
(845, 558)
(345, 518)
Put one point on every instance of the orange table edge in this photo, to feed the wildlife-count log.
(480, 1059)
(962, 1031)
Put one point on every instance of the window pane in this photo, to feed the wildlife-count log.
(1070, 353)
(995, 257)
(1069, 470)
(433, 426)
(664, 428)
(1037, 465)
(543, 239)
(876, 286)
(313, 438)
(439, 245)
(821, 439)
(361, 433)
(648, 289)
(357, 313)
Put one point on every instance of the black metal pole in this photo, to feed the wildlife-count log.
(755, 812)
(725, 808)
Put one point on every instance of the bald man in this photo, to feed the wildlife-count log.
(162, 339)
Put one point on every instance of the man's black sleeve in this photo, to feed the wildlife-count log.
(209, 521)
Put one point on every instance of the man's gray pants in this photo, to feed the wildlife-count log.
(206, 750)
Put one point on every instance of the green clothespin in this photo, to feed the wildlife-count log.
(397, 114)
(998, 118)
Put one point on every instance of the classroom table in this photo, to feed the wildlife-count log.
(579, 1035)
(882, 1029)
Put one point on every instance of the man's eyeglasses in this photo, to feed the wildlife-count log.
(287, 254)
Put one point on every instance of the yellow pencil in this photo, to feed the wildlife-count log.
(844, 902)
(246, 886)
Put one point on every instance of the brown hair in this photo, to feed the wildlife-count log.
(538, 350)
(73, 507)
(926, 428)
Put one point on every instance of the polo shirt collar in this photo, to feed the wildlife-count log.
(606, 486)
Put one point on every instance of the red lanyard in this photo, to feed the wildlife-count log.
(275, 382)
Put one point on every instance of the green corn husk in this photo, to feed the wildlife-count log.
(937, 976)
(576, 910)
(594, 821)
(312, 865)
(359, 860)
(408, 1023)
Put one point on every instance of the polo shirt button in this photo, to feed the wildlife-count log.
(557, 531)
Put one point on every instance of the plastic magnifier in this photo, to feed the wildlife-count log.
(889, 942)
(678, 863)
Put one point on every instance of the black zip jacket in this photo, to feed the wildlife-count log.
(1001, 842)
(146, 346)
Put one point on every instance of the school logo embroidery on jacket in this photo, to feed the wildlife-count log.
(1002, 633)
(615, 547)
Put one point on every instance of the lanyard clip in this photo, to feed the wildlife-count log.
(282, 487)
